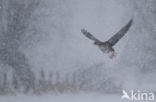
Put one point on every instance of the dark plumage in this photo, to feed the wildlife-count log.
(107, 46)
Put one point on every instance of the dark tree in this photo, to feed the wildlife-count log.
(15, 17)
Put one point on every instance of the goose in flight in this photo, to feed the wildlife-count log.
(107, 46)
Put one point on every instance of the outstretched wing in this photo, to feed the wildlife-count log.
(89, 35)
(114, 39)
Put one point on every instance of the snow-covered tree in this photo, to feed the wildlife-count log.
(15, 16)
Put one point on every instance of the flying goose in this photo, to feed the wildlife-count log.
(107, 46)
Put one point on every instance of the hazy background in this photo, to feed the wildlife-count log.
(44, 36)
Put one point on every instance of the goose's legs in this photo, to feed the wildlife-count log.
(113, 54)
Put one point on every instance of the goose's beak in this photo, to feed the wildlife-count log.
(112, 55)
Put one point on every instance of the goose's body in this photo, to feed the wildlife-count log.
(107, 46)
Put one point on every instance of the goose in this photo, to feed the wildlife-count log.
(107, 46)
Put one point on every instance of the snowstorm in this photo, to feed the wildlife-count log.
(44, 55)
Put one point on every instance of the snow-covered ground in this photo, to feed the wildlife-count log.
(63, 98)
